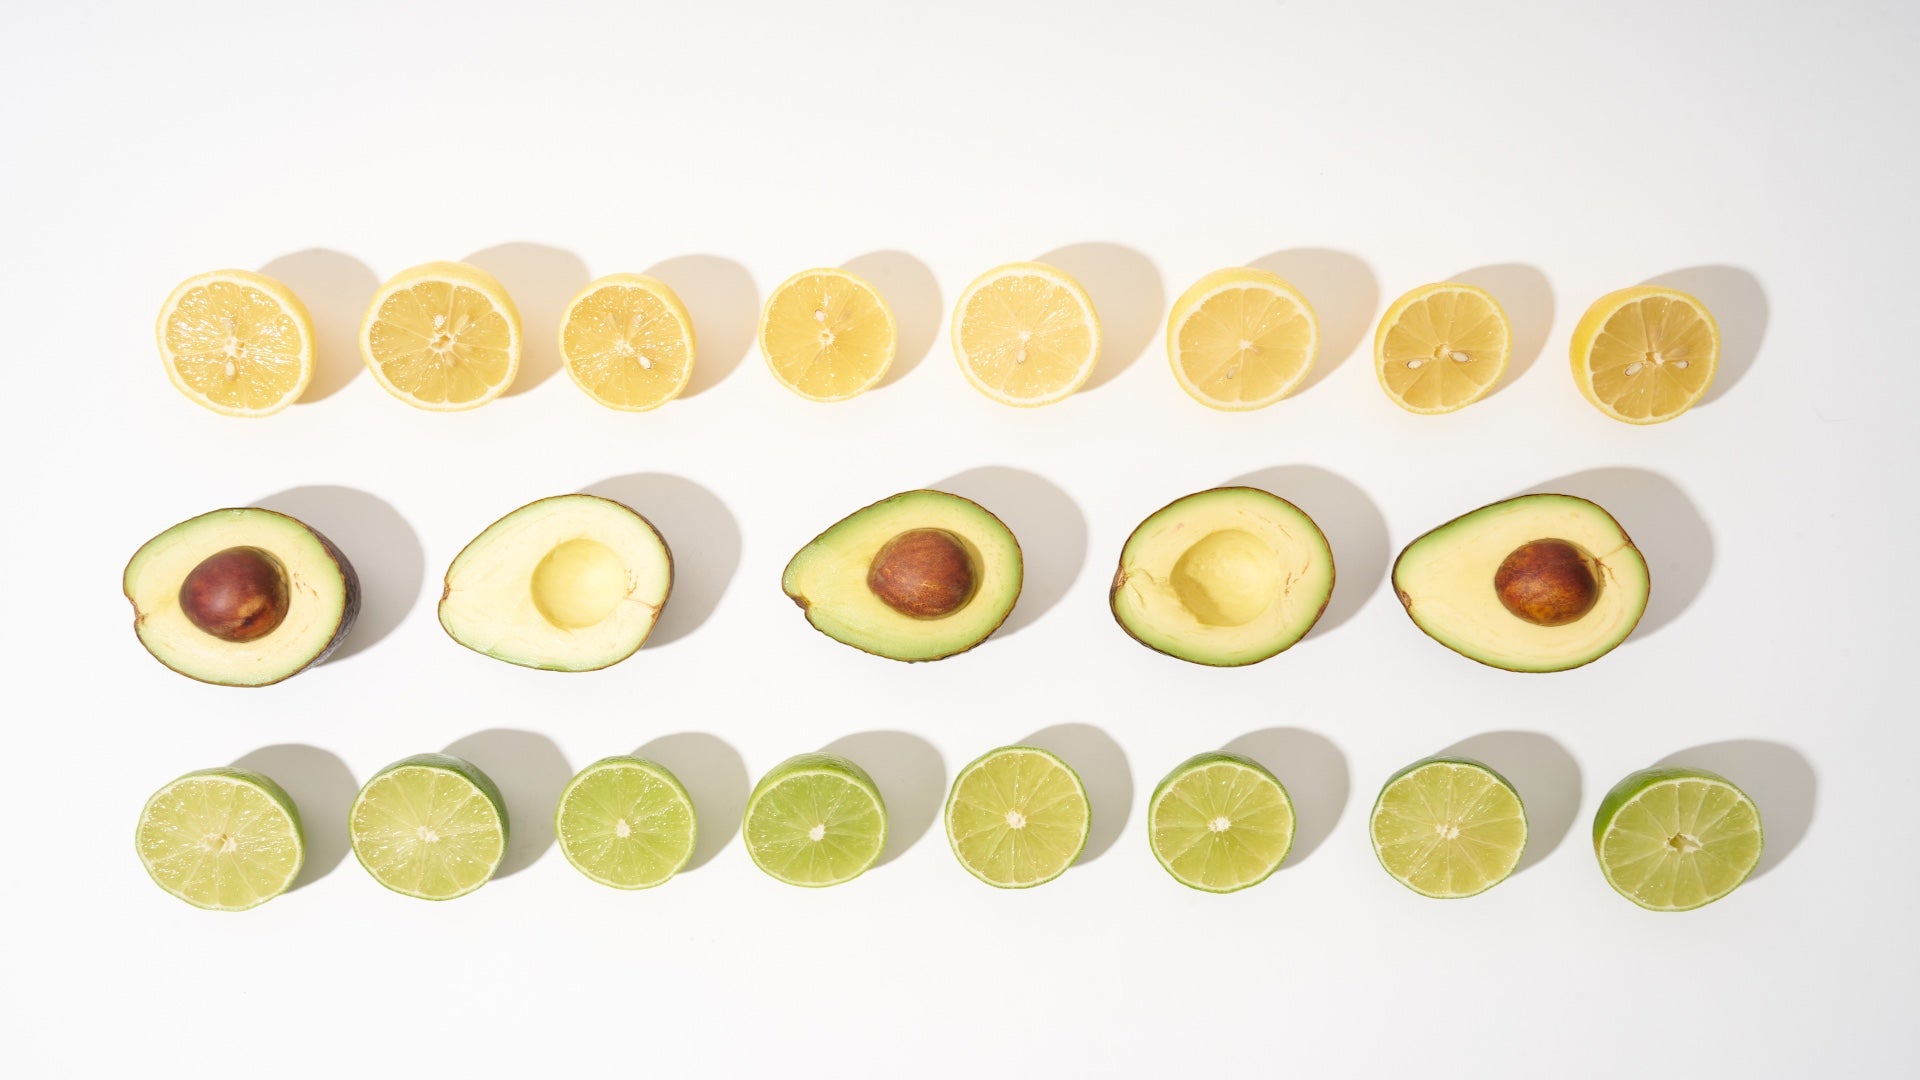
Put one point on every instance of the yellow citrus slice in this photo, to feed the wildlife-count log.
(1645, 354)
(237, 342)
(628, 342)
(827, 335)
(1026, 334)
(1442, 347)
(442, 336)
(1241, 339)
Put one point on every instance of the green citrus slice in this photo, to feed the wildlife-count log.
(1220, 822)
(815, 820)
(221, 839)
(1017, 817)
(430, 826)
(625, 822)
(1448, 827)
(1676, 839)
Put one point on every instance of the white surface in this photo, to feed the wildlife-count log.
(1774, 141)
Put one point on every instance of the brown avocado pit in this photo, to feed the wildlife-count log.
(237, 595)
(1547, 582)
(923, 573)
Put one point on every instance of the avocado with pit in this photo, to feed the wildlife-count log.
(1538, 583)
(569, 583)
(920, 576)
(1225, 577)
(241, 597)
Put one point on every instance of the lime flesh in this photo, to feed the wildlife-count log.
(815, 820)
(430, 826)
(221, 839)
(1017, 817)
(625, 822)
(1448, 827)
(1220, 822)
(1676, 839)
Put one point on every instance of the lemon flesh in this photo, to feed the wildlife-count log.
(1026, 334)
(237, 342)
(1017, 817)
(1645, 355)
(827, 335)
(1676, 839)
(625, 822)
(1448, 828)
(627, 341)
(815, 820)
(443, 337)
(1241, 339)
(1442, 347)
(1220, 822)
(221, 839)
(432, 827)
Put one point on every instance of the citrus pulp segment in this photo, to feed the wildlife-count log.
(1017, 817)
(443, 336)
(430, 826)
(1220, 822)
(1448, 827)
(236, 342)
(625, 822)
(1026, 334)
(1442, 347)
(221, 839)
(1676, 839)
(815, 820)
(827, 335)
(1241, 339)
(627, 340)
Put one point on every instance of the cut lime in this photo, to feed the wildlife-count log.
(1017, 817)
(1220, 822)
(431, 826)
(221, 839)
(816, 819)
(1676, 839)
(625, 822)
(1448, 827)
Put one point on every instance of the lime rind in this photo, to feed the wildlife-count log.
(1253, 800)
(809, 792)
(1406, 827)
(645, 799)
(459, 803)
(1043, 789)
(1677, 839)
(257, 820)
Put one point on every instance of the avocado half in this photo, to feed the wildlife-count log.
(241, 597)
(919, 576)
(1538, 583)
(568, 583)
(1225, 577)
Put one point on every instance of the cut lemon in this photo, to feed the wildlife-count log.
(628, 342)
(1220, 822)
(1676, 839)
(237, 342)
(1645, 354)
(1026, 334)
(815, 820)
(221, 839)
(1442, 347)
(827, 335)
(1017, 817)
(430, 826)
(1241, 339)
(1448, 827)
(444, 336)
(625, 822)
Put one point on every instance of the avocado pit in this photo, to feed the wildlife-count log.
(923, 573)
(1547, 582)
(237, 595)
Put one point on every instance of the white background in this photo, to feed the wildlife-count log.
(1761, 155)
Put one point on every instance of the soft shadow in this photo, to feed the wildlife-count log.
(714, 775)
(385, 553)
(1103, 770)
(913, 293)
(1739, 306)
(531, 773)
(1127, 296)
(701, 533)
(541, 280)
(1344, 294)
(725, 305)
(335, 288)
(1355, 528)
(1313, 771)
(1779, 780)
(1671, 535)
(912, 778)
(322, 788)
(1546, 776)
(1527, 297)
(1045, 520)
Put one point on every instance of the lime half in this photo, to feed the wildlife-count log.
(1448, 827)
(1676, 839)
(1017, 817)
(625, 822)
(221, 839)
(816, 819)
(431, 826)
(1220, 822)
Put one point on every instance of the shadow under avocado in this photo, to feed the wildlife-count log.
(1779, 780)
(700, 532)
(385, 553)
(542, 280)
(1102, 767)
(322, 788)
(335, 287)
(725, 306)
(1049, 526)
(715, 777)
(1314, 772)
(1355, 529)
(912, 778)
(1545, 775)
(913, 294)
(531, 773)
(1526, 295)
(1345, 298)
(1739, 307)
(1128, 298)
